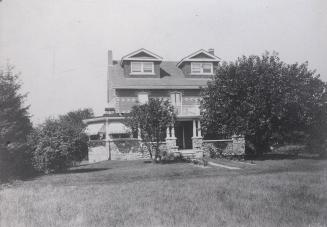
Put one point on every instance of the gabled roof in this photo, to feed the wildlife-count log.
(141, 54)
(200, 55)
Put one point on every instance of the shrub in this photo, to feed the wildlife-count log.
(58, 143)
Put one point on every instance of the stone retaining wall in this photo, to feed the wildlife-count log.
(119, 149)
(224, 148)
(97, 151)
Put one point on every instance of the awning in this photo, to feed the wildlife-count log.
(118, 128)
(94, 129)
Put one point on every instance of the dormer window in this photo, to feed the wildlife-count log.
(138, 67)
(201, 68)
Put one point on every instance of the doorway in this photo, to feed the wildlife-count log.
(184, 133)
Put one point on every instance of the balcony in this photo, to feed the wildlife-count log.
(187, 110)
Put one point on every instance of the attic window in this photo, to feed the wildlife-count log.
(201, 68)
(138, 67)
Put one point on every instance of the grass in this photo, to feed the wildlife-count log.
(135, 193)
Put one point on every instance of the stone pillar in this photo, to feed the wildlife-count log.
(107, 139)
(238, 144)
(171, 140)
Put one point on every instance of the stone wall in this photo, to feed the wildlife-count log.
(127, 149)
(119, 149)
(224, 148)
(97, 151)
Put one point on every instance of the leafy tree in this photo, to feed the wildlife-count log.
(152, 118)
(73, 123)
(266, 100)
(57, 143)
(14, 125)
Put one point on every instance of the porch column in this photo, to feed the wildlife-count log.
(172, 131)
(194, 128)
(199, 129)
(167, 132)
(139, 133)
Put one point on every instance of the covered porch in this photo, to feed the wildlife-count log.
(184, 135)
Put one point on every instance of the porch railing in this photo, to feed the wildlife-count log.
(187, 110)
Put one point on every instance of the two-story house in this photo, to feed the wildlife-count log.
(141, 75)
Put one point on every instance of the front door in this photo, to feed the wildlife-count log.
(184, 132)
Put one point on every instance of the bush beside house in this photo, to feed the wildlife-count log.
(58, 143)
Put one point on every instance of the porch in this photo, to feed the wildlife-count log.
(185, 136)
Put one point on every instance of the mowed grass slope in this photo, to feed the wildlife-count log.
(134, 193)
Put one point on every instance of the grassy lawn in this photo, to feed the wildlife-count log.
(135, 193)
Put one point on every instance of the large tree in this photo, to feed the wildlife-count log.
(266, 100)
(152, 119)
(14, 125)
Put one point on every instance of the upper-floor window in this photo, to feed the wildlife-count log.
(201, 68)
(143, 97)
(176, 98)
(138, 67)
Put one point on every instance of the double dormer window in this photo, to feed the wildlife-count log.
(138, 67)
(201, 68)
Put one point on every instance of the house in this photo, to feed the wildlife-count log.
(134, 79)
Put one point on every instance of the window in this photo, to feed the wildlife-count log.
(143, 97)
(120, 136)
(176, 98)
(201, 68)
(138, 67)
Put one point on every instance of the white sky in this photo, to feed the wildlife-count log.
(60, 46)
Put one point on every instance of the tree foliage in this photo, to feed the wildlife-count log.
(266, 100)
(57, 143)
(14, 125)
(152, 119)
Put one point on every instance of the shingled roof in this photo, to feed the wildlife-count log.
(170, 77)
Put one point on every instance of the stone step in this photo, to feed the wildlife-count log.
(190, 153)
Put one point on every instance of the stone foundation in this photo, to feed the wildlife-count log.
(171, 145)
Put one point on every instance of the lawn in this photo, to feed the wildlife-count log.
(136, 193)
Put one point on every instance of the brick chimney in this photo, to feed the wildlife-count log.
(110, 94)
(110, 62)
(211, 51)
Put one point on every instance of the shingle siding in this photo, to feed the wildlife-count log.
(126, 99)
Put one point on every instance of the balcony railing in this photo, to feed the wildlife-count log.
(187, 110)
